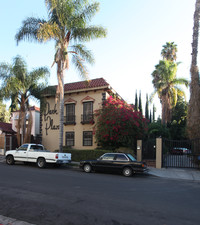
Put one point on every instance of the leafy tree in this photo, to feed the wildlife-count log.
(136, 101)
(150, 117)
(157, 129)
(166, 86)
(169, 51)
(147, 108)
(154, 110)
(118, 125)
(4, 113)
(19, 85)
(68, 25)
(179, 119)
(140, 103)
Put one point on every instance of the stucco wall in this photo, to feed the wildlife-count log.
(50, 120)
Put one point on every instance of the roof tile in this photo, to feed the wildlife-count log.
(99, 82)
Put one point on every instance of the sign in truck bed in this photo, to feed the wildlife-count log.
(36, 153)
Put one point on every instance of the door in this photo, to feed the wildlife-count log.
(105, 163)
(21, 153)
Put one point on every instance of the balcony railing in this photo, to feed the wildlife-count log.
(70, 120)
(87, 118)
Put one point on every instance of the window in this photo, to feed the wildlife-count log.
(69, 138)
(70, 114)
(23, 147)
(87, 108)
(36, 147)
(87, 138)
(87, 116)
(109, 157)
(121, 157)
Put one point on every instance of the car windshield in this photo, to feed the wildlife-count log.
(131, 157)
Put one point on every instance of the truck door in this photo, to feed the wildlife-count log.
(21, 153)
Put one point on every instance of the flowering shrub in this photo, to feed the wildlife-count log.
(118, 124)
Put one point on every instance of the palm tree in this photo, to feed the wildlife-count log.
(193, 122)
(166, 86)
(68, 25)
(169, 51)
(19, 85)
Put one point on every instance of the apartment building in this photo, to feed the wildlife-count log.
(81, 99)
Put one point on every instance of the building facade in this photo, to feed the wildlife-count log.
(81, 99)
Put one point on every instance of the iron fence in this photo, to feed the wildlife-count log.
(181, 153)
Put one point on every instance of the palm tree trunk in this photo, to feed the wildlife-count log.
(60, 76)
(29, 127)
(18, 129)
(193, 123)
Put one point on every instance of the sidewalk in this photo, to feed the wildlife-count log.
(176, 173)
(9, 221)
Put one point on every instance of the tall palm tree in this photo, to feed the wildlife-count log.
(166, 86)
(193, 122)
(19, 85)
(68, 25)
(169, 51)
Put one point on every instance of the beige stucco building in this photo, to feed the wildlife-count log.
(81, 100)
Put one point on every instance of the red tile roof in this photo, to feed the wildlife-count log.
(6, 127)
(99, 82)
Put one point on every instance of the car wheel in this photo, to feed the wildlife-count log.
(127, 172)
(10, 160)
(87, 168)
(41, 163)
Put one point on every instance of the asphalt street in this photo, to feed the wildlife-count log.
(69, 196)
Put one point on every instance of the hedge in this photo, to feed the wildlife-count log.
(78, 155)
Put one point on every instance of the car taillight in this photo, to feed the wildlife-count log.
(143, 165)
(56, 156)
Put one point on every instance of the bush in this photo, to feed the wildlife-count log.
(78, 155)
(118, 124)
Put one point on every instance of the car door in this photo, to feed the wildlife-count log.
(105, 162)
(120, 161)
(21, 153)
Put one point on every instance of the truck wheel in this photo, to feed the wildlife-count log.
(10, 160)
(127, 172)
(87, 168)
(41, 163)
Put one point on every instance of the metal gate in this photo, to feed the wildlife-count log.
(181, 154)
(149, 149)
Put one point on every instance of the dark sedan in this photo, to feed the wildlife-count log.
(114, 162)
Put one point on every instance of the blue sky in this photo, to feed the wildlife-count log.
(137, 29)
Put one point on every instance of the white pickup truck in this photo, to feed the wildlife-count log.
(36, 153)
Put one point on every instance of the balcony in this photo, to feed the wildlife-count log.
(87, 118)
(70, 120)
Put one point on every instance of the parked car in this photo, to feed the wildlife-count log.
(180, 151)
(35, 153)
(114, 162)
